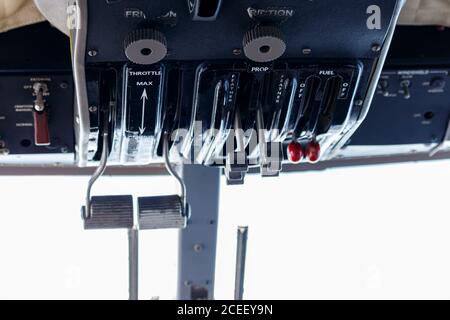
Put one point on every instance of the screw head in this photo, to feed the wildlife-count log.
(237, 52)
(359, 102)
(376, 47)
(92, 53)
(306, 51)
(198, 247)
(93, 109)
(63, 85)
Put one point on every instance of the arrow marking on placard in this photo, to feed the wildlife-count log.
(144, 99)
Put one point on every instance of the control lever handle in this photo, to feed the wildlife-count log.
(270, 165)
(106, 212)
(113, 212)
(164, 212)
(237, 163)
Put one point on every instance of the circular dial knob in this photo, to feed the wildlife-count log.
(145, 46)
(264, 44)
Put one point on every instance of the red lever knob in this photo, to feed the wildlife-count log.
(313, 151)
(295, 152)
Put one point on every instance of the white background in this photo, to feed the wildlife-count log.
(377, 232)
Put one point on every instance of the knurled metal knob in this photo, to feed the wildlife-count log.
(145, 46)
(264, 44)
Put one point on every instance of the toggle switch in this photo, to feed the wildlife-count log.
(405, 86)
(41, 131)
(383, 85)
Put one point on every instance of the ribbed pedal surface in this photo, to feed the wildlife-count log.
(162, 212)
(110, 212)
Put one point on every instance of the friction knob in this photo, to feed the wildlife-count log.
(145, 46)
(264, 44)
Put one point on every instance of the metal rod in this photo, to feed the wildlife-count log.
(100, 169)
(172, 171)
(241, 253)
(240, 144)
(261, 136)
(133, 249)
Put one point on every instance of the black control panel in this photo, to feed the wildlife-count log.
(410, 112)
(412, 106)
(222, 29)
(269, 81)
(25, 129)
(37, 90)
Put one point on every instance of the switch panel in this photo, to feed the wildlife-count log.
(36, 116)
(396, 125)
(37, 98)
